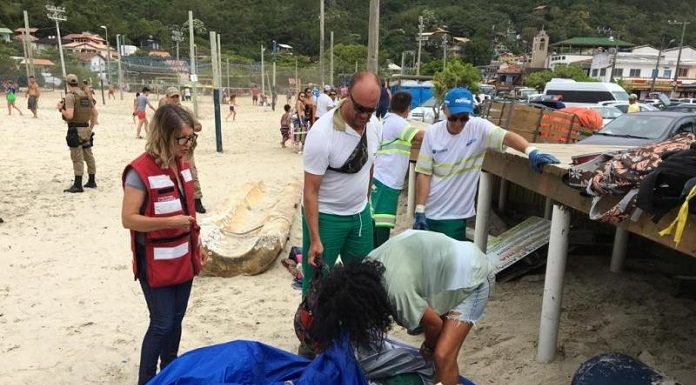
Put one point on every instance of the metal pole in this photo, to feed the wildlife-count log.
(108, 56)
(444, 52)
(657, 67)
(420, 43)
(321, 42)
(193, 76)
(120, 74)
(402, 64)
(216, 89)
(101, 85)
(263, 82)
(297, 81)
(681, 45)
(331, 65)
(30, 54)
(483, 210)
(228, 74)
(373, 38)
(62, 58)
(219, 60)
(613, 63)
(553, 283)
(58, 14)
(24, 48)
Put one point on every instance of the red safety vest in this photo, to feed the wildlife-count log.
(172, 255)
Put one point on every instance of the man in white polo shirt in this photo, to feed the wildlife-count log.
(338, 157)
(449, 164)
(324, 102)
(391, 164)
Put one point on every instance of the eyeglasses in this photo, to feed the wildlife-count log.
(362, 109)
(460, 118)
(183, 140)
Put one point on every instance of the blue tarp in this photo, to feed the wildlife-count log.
(253, 363)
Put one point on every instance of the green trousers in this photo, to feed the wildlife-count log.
(349, 236)
(453, 228)
(385, 201)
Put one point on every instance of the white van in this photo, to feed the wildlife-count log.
(585, 92)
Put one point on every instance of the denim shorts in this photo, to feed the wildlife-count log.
(471, 309)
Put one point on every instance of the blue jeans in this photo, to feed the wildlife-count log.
(167, 306)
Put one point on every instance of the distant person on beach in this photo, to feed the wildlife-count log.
(299, 123)
(111, 95)
(324, 102)
(285, 126)
(338, 159)
(33, 93)
(158, 210)
(187, 94)
(449, 164)
(232, 106)
(171, 96)
(310, 108)
(391, 164)
(141, 103)
(135, 105)
(77, 110)
(255, 95)
(11, 95)
(288, 96)
(384, 98)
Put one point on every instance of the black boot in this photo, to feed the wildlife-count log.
(91, 183)
(199, 206)
(76, 187)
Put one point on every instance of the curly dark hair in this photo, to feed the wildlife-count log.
(352, 299)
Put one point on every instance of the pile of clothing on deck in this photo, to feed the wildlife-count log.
(653, 178)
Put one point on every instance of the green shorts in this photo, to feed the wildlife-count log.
(453, 228)
(349, 236)
(384, 201)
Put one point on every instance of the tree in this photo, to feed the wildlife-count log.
(539, 79)
(456, 74)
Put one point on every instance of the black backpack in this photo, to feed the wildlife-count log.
(661, 190)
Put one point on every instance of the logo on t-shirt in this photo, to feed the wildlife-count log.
(436, 151)
(470, 142)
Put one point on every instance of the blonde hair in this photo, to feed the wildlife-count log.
(166, 123)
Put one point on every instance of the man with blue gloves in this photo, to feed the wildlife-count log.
(449, 164)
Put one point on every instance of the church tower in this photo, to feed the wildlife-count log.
(539, 49)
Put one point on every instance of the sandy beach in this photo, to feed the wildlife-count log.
(71, 313)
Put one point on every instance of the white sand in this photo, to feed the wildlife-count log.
(70, 312)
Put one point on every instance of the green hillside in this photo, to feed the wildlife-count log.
(246, 24)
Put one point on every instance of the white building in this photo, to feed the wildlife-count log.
(580, 50)
(637, 68)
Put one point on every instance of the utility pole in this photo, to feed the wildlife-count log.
(373, 38)
(263, 81)
(321, 42)
(420, 42)
(228, 74)
(177, 37)
(616, 53)
(108, 54)
(219, 59)
(657, 64)
(120, 78)
(194, 77)
(30, 54)
(25, 39)
(681, 45)
(331, 68)
(402, 63)
(444, 51)
(297, 81)
(58, 14)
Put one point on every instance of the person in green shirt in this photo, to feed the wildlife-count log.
(432, 281)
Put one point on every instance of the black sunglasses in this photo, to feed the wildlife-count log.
(183, 140)
(461, 118)
(362, 109)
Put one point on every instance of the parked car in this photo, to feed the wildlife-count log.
(425, 113)
(623, 106)
(608, 113)
(643, 128)
(681, 107)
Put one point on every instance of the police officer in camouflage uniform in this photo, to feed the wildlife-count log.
(77, 110)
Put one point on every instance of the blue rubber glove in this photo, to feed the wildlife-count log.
(688, 186)
(420, 223)
(537, 159)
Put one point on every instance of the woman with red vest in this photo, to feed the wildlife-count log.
(158, 209)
